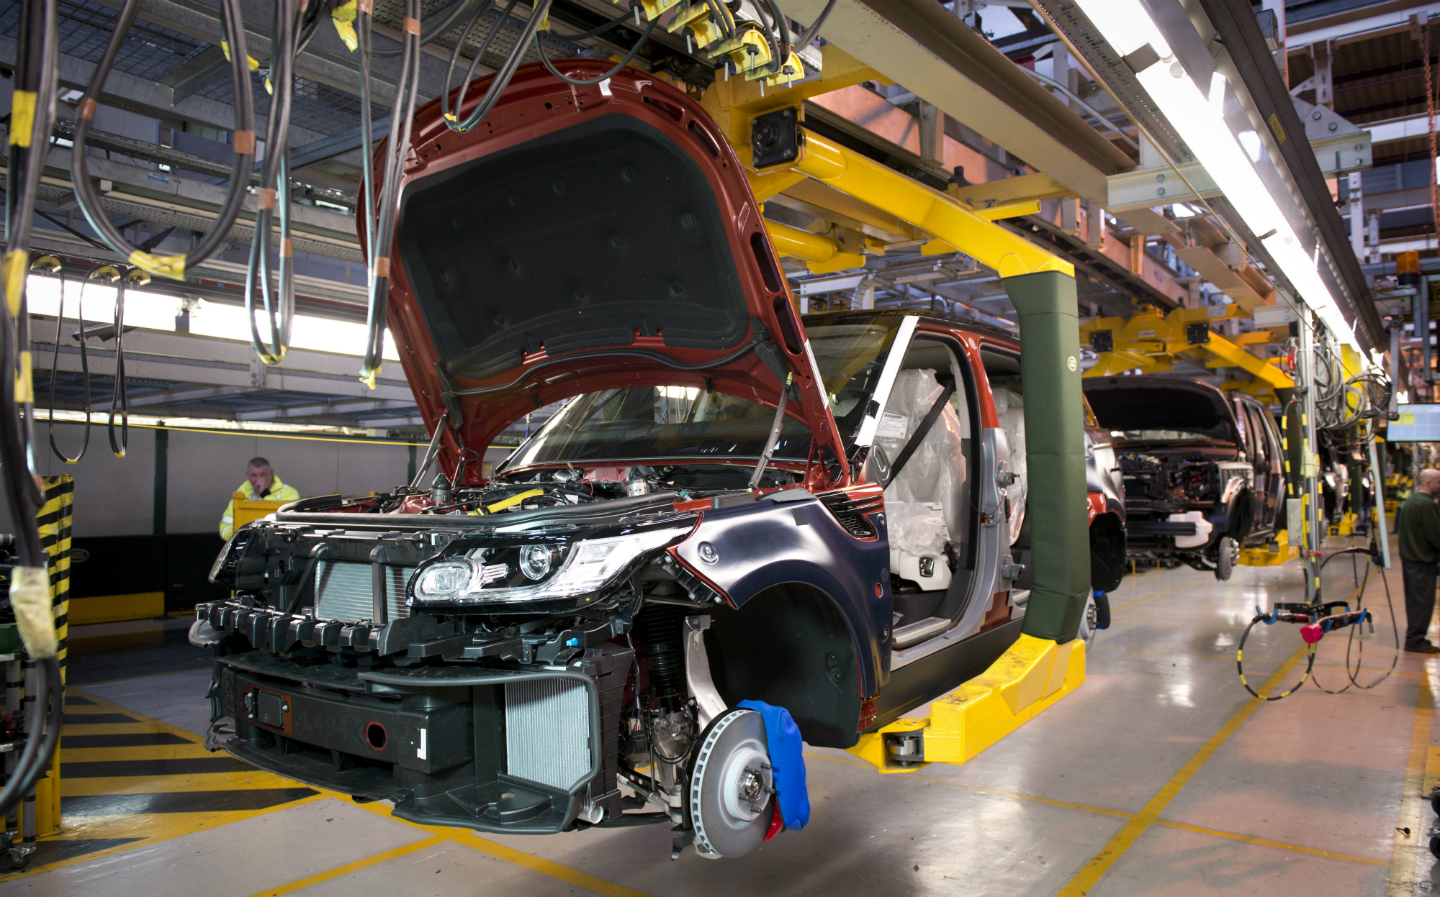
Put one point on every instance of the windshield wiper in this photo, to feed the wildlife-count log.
(774, 434)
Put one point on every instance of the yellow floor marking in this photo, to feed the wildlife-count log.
(346, 869)
(536, 864)
(1087, 877)
(1403, 857)
(1231, 658)
(157, 827)
(972, 787)
(1187, 582)
(150, 675)
(150, 829)
(1266, 843)
(141, 752)
(83, 728)
(247, 780)
(1121, 813)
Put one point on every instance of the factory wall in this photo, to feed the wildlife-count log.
(126, 552)
(116, 496)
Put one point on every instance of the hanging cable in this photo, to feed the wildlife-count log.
(32, 115)
(272, 202)
(382, 233)
(586, 82)
(244, 144)
(51, 264)
(812, 33)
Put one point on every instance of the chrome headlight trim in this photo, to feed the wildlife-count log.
(588, 566)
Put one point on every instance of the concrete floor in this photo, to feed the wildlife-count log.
(1160, 776)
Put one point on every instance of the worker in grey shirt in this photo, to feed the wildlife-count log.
(1419, 526)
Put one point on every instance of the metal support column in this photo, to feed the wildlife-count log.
(1309, 465)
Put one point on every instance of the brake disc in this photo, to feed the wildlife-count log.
(732, 786)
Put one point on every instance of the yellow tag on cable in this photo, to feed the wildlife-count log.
(254, 63)
(344, 19)
(25, 380)
(12, 273)
(30, 597)
(368, 378)
(22, 117)
(171, 266)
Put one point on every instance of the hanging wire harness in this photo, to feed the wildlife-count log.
(31, 118)
(243, 141)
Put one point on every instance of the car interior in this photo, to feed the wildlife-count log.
(925, 461)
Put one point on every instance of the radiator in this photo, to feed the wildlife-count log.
(547, 731)
(343, 591)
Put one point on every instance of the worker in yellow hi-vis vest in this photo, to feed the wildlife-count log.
(261, 484)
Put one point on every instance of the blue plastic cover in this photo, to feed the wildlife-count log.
(788, 761)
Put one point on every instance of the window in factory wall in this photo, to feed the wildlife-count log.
(308, 331)
(157, 311)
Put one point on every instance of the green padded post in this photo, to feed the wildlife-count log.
(1055, 452)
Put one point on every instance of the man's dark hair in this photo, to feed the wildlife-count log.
(258, 462)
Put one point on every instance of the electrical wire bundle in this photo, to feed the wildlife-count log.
(273, 198)
(32, 115)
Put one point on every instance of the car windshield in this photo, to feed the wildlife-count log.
(653, 422)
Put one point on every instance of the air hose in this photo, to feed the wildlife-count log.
(1317, 620)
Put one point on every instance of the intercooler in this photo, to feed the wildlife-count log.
(547, 731)
(343, 591)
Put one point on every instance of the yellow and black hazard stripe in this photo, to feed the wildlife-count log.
(54, 519)
(131, 780)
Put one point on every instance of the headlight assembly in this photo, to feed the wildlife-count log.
(536, 571)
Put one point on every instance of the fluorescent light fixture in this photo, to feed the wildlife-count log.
(1127, 26)
(1200, 122)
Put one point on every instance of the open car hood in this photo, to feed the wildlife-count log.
(587, 238)
(1160, 403)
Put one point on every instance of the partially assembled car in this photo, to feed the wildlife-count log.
(732, 505)
(1203, 469)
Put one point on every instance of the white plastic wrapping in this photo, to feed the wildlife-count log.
(936, 470)
(923, 504)
(1010, 407)
(30, 598)
(916, 527)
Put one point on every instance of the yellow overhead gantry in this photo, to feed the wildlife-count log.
(1150, 342)
(859, 185)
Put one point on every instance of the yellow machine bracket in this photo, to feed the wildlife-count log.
(1030, 676)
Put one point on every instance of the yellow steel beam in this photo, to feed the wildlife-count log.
(821, 254)
(929, 210)
(1151, 341)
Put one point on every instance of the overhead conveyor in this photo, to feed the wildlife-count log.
(1150, 343)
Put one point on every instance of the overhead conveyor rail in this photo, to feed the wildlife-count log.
(1150, 343)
